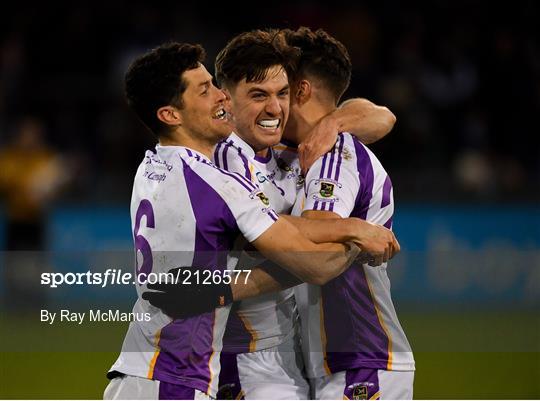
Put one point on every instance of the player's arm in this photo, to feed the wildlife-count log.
(261, 280)
(281, 243)
(312, 263)
(381, 234)
(373, 239)
(331, 194)
(362, 118)
(181, 301)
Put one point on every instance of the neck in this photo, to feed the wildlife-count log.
(262, 153)
(259, 152)
(304, 118)
(181, 139)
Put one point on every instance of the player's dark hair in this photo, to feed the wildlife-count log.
(322, 57)
(249, 55)
(154, 80)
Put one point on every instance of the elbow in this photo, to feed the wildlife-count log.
(319, 279)
(386, 123)
(381, 125)
(390, 120)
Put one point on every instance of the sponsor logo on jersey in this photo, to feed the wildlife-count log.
(154, 176)
(153, 159)
(260, 177)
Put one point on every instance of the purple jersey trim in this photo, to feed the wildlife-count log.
(186, 346)
(225, 150)
(245, 163)
(387, 188)
(216, 154)
(264, 159)
(366, 176)
(273, 215)
(359, 340)
(237, 337)
(362, 384)
(168, 391)
(340, 156)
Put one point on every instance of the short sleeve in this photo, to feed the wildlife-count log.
(248, 204)
(230, 158)
(332, 183)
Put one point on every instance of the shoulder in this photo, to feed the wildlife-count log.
(233, 158)
(230, 185)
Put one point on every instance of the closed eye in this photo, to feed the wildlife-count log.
(205, 87)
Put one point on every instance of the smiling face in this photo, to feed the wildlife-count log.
(261, 109)
(203, 114)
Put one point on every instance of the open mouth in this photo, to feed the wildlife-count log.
(269, 124)
(221, 114)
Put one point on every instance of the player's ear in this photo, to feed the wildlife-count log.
(227, 94)
(303, 91)
(169, 115)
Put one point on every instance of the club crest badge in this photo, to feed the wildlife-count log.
(229, 392)
(327, 190)
(263, 198)
(360, 392)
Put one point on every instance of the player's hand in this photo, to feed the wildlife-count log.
(320, 140)
(378, 243)
(180, 300)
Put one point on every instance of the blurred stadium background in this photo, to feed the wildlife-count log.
(463, 79)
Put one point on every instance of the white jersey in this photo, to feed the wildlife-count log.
(269, 320)
(185, 212)
(350, 322)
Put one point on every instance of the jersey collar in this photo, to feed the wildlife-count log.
(239, 143)
(184, 151)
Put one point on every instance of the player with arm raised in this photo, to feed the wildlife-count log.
(353, 343)
(253, 70)
(187, 212)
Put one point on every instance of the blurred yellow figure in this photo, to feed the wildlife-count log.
(30, 173)
(30, 176)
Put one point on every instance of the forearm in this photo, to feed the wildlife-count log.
(319, 231)
(364, 119)
(310, 262)
(262, 280)
(319, 264)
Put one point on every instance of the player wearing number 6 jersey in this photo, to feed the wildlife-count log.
(187, 212)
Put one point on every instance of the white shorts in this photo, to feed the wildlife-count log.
(139, 388)
(274, 373)
(364, 384)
